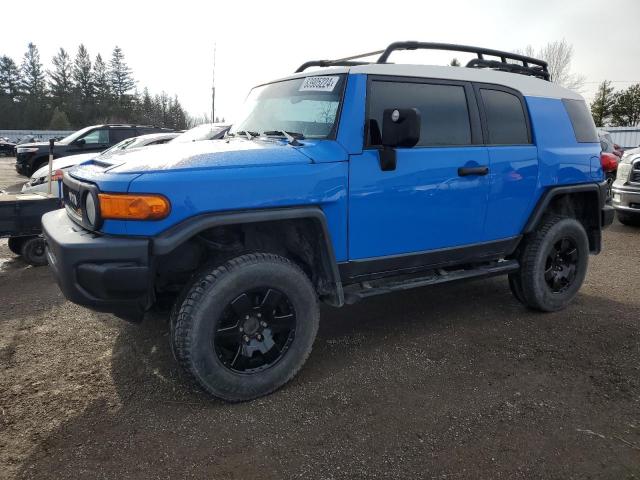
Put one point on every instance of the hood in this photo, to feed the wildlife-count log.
(33, 144)
(64, 162)
(235, 152)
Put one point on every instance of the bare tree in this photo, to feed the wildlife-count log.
(558, 56)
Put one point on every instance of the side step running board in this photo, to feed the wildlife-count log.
(356, 292)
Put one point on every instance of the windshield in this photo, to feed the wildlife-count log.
(306, 106)
(75, 135)
(118, 146)
(206, 131)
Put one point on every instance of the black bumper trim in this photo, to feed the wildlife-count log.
(106, 274)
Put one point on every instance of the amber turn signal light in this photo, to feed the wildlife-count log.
(118, 206)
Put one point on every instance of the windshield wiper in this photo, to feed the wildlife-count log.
(292, 137)
(246, 133)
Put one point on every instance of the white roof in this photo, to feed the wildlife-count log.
(525, 84)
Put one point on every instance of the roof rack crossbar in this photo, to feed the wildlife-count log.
(530, 66)
(338, 62)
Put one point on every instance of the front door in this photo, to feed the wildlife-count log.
(436, 198)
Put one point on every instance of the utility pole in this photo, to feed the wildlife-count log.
(213, 87)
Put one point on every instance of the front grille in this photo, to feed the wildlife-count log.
(72, 201)
(635, 173)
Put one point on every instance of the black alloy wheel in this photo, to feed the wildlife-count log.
(255, 331)
(561, 265)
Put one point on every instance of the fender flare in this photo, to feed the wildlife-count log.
(178, 234)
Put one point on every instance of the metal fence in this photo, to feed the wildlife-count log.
(626, 137)
(38, 135)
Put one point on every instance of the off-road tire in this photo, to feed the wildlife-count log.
(630, 219)
(194, 324)
(15, 244)
(536, 292)
(33, 252)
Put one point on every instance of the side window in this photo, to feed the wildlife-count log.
(443, 110)
(506, 119)
(119, 134)
(96, 137)
(583, 126)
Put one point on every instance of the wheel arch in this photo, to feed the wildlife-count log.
(310, 221)
(583, 202)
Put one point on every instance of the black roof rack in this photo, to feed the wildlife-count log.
(527, 66)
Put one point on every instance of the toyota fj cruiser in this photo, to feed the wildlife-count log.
(334, 186)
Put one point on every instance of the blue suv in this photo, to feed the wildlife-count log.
(333, 186)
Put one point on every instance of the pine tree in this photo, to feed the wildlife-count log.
(33, 83)
(626, 108)
(59, 120)
(82, 76)
(102, 89)
(10, 78)
(33, 89)
(60, 84)
(603, 103)
(120, 74)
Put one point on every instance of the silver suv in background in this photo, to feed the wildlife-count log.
(626, 188)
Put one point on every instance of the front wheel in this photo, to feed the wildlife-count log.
(553, 265)
(631, 219)
(15, 244)
(245, 328)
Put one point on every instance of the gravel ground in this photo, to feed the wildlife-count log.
(450, 382)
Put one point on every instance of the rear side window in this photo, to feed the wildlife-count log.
(119, 134)
(583, 126)
(443, 110)
(505, 117)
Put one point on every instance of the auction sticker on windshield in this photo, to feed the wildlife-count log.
(319, 84)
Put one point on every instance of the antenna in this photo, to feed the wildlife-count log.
(213, 87)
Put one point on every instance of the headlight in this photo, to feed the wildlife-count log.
(37, 181)
(27, 149)
(91, 209)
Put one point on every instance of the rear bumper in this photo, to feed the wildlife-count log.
(106, 274)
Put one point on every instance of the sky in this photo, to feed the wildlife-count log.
(169, 45)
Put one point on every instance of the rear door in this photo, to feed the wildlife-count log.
(513, 160)
(427, 202)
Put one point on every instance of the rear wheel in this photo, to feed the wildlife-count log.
(245, 328)
(632, 219)
(15, 244)
(33, 252)
(553, 265)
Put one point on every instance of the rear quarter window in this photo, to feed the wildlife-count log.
(584, 127)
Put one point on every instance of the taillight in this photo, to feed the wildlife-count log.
(608, 161)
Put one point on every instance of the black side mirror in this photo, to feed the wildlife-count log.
(80, 142)
(400, 128)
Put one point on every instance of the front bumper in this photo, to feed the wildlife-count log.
(626, 198)
(106, 274)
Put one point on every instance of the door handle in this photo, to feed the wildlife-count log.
(466, 171)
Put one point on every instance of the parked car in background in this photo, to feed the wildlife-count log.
(608, 145)
(39, 180)
(7, 148)
(206, 131)
(97, 138)
(626, 188)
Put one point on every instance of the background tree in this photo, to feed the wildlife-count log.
(33, 87)
(9, 91)
(60, 83)
(102, 89)
(122, 82)
(73, 94)
(602, 104)
(455, 62)
(82, 86)
(626, 108)
(558, 56)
